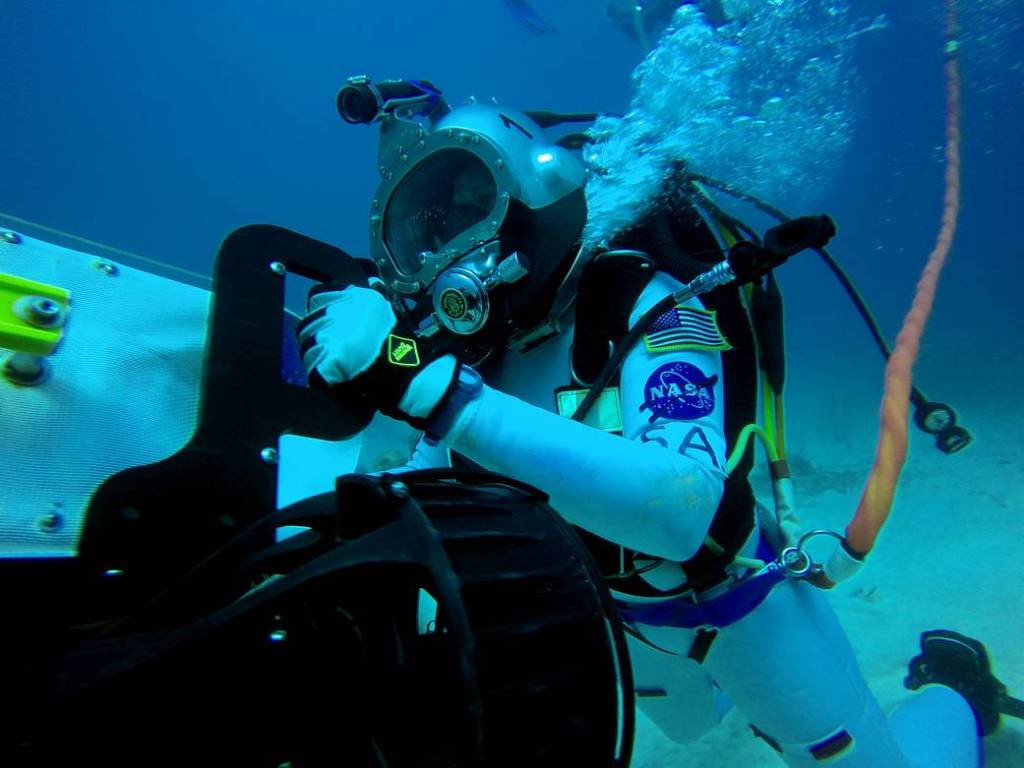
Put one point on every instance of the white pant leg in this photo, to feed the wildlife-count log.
(789, 668)
(675, 692)
(936, 728)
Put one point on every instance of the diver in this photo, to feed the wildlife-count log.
(644, 21)
(528, 17)
(484, 326)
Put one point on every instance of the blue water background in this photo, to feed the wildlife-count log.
(159, 127)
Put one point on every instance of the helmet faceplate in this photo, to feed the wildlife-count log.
(446, 191)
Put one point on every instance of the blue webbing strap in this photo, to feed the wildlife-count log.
(720, 611)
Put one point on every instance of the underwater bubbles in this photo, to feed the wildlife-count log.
(765, 102)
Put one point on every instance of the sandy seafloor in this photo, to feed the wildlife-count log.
(950, 557)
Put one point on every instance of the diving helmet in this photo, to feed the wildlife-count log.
(477, 219)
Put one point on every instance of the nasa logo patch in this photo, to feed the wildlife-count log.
(679, 391)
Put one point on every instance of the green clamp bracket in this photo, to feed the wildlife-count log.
(32, 315)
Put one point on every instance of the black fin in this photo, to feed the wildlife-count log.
(961, 663)
(546, 118)
(575, 140)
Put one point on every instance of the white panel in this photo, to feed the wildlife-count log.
(123, 391)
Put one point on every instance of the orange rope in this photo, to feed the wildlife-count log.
(876, 501)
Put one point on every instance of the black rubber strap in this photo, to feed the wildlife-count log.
(609, 287)
(702, 644)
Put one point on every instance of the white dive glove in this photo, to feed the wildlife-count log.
(352, 343)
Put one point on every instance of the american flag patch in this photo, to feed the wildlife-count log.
(685, 328)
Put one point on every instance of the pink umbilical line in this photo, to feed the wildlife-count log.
(891, 452)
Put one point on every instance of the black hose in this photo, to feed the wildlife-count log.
(917, 397)
(598, 385)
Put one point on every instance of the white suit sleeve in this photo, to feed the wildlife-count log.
(656, 488)
(425, 456)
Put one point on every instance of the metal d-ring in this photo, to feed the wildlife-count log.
(797, 562)
(818, 532)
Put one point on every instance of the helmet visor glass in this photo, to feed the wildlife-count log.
(440, 198)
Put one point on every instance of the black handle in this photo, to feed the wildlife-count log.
(750, 261)
(799, 234)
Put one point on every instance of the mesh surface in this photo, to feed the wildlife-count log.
(123, 391)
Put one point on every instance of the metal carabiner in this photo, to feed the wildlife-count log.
(797, 562)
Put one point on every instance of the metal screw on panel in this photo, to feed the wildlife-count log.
(9, 237)
(227, 522)
(130, 514)
(278, 268)
(278, 635)
(51, 522)
(268, 456)
(41, 311)
(107, 268)
(25, 369)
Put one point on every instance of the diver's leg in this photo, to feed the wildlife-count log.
(674, 691)
(789, 668)
(961, 663)
(937, 708)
